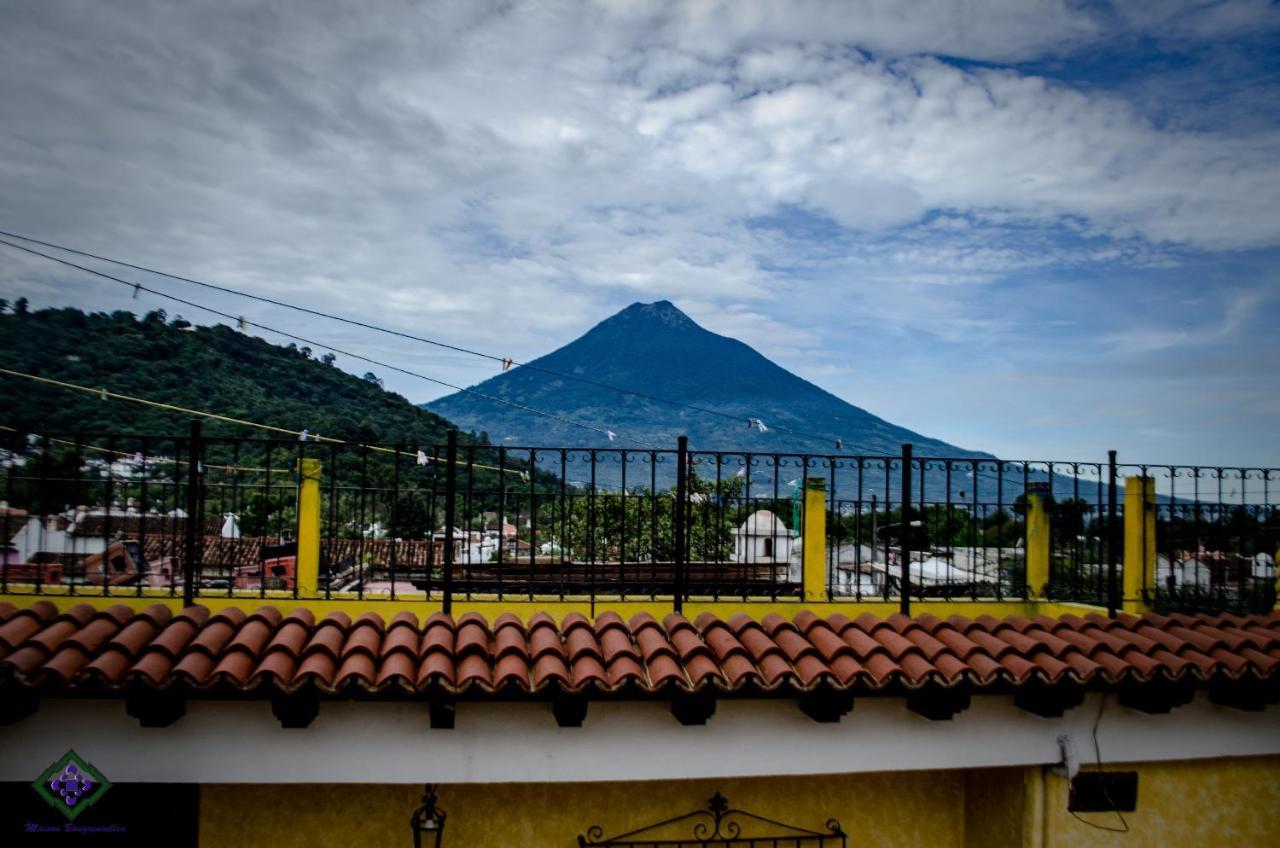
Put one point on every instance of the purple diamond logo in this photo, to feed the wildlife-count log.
(71, 785)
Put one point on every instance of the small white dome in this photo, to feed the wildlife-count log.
(762, 522)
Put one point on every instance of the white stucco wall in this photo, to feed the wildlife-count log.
(392, 742)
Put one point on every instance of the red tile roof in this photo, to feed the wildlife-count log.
(87, 650)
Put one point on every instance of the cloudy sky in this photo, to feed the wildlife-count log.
(1036, 227)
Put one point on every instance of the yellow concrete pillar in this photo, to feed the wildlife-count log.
(815, 539)
(308, 566)
(1139, 543)
(1037, 545)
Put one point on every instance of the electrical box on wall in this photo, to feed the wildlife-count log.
(1104, 792)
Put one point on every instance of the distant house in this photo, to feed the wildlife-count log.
(763, 538)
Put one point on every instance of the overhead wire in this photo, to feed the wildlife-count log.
(158, 460)
(170, 407)
(751, 422)
(241, 320)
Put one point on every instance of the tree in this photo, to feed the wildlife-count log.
(373, 378)
(639, 525)
(20, 306)
(328, 359)
(180, 323)
(306, 352)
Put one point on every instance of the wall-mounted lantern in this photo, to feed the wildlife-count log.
(427, 822)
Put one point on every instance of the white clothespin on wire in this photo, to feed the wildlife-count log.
(422, 458)
(612, 435)
(302, 437)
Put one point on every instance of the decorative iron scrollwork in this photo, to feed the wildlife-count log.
(718, 824)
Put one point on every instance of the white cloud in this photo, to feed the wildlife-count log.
(505, 174)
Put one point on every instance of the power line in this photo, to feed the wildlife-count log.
(304, 435)
(240, 319)
(154, 460)
(750, 422)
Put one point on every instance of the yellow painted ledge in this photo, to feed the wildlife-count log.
(491, 608)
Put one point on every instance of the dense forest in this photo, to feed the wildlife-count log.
(55, 431)
(214, 369)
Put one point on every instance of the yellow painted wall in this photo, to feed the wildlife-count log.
(993, 812)
(1199, 803)
(878, 811)
(1229, 802)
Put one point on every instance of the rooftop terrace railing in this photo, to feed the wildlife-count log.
(198, 517)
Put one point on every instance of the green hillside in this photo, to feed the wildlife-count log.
(214, 369)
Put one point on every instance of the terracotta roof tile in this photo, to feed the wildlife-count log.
(357, 669)
(437, 669)
(84, 647)
(279, 665)
(318, 668)
(23, 623)
(234, 668)
(68, 662)
(624, 669)
(364, 638)
(616, 644)
(194, 668)
(550, 668)
(581, 642)
(473, 669)
(512, 669)
(397, 669)
(587, 668)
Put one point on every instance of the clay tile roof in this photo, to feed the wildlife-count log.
(609, 619)
(303, 616)
(403, 618)
(115, 648)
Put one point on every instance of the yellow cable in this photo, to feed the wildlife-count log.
(215, 416)
(150, 459)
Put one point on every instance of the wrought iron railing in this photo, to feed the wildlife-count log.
(194, 516)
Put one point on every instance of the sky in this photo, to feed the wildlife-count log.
(1040, 228)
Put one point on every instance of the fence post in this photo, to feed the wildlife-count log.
(1113, 584)
(814, 564)
(190, 545)
(1139, 543)
(450, 508)
(678, 522)
(904, 528)
(1038, 540)
(306, 582)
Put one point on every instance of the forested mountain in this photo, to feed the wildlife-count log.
(213, 369)
(655, 349)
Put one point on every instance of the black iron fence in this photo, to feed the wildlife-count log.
(194, 516)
